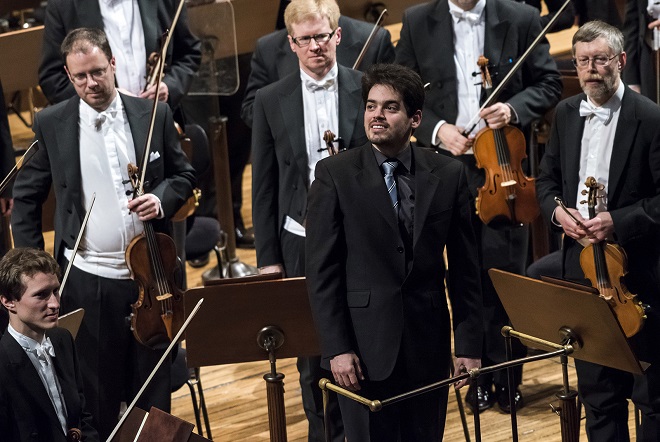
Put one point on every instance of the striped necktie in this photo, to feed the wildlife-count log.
(389, 166)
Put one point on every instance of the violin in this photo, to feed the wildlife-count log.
(508, 197)
(605, 265)
(151, 257)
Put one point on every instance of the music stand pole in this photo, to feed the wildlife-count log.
(271, 338)
(512, 388)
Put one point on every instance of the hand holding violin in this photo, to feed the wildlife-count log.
(150, 92)
(453, 139)
(146, 206)
(497, 116)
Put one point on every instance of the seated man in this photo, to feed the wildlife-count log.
(41, 395)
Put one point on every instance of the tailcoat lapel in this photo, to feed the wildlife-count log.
(139, 119)
(293, 116)
(626, 130)
(495, 35)
(349, 104)
(68, 144)
(440, 30)
(571, 155)
(148, 15)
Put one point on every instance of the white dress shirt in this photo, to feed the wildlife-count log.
(469, 37)
(123, 26)
(41, 354)
(321, 113)
(106, 148)
(596, 151)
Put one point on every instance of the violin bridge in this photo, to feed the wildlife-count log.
(508, 183)
(163, 297)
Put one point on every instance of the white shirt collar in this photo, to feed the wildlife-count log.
(614, 103)
(477, 10)
(331, 75)
(90, 115)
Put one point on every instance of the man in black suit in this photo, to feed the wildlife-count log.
(290, 119)
(183, 55)
(86, 143)
(41, 391)
(638, 29)
(442, 41)
(375, 269)
(612, 134)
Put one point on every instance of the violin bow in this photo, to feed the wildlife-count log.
(77, 244)
(159, 75)
(367, 43)
(27, 156)
(160, 64)
(153, 372)
(496, 92)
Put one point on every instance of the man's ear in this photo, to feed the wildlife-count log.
(6, 303)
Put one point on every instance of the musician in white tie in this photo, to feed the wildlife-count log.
(612, 134)
(442, 40)
(289, 120)
(86, 143)
(41, 392)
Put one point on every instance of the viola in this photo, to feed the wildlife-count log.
(508, 197)
(151, 257)
(605, 265)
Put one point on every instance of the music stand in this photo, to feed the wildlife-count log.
(136, 419)
(214, 24)
(71, 321)
(24, 49)
(253, 321)
(561, 312)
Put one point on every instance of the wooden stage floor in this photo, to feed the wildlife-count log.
(236, 394)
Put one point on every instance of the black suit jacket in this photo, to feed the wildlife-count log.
(361, 297)
(26, 412)
(273, 59)
(426, 45)
(633, 197)
(62, 16)
(170, 177)
(280, 177)
(640, 63)
(7, 156)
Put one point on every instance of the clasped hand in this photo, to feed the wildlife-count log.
(146, 206)
(595, 230)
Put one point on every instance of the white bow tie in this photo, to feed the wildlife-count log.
(102, 117)
(314, 86)
(45, 348)
(468, 16)
(587, 109)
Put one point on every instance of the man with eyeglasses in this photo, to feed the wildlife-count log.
(291, 117)
(442, 40)
(86, 144)
(612, 134)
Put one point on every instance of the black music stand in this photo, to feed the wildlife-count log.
(562, 312)
(253, 321)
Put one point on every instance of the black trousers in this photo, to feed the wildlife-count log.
(293, 252)
(419, 419)
(503, 249)
(113, 364)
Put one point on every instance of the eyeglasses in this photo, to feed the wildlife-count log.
(599, 60)
(305, 40)
(97, 74)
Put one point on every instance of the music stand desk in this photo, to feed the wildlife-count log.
(252, 321)
(541, 309)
